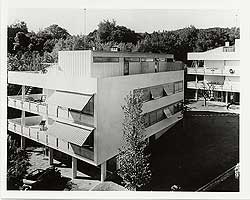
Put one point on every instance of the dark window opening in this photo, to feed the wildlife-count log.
(105, 59)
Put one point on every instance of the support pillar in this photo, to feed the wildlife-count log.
(226, 98)
(103, 171)
(22, 142)
(196, 95)
(74, 167)
(23, 118)
(51, 156)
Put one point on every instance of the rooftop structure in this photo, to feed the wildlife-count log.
(79, 111)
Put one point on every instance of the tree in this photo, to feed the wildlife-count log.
(54, 31)
(17, 165)
(207, 89)
(134, 164)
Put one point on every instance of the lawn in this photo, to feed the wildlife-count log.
(194, 152)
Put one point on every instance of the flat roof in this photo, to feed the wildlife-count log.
(126, 54)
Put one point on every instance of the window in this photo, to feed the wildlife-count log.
(153, 118)
(160, 115)
(169, 88)
(131, 59)
(180, 86)
(171, 109)
(146, 94)
(170, 60)
(162, 59)
(176, 87)
(105, 59)
(146, 120)
(126, 68)
(156, 92)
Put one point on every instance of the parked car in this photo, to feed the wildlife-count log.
(40, 179)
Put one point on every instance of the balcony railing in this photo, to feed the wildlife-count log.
(227, 86)
(35, 104)
(33, 132)
(229, 71)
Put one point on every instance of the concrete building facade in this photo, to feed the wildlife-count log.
(79, 110)
(219, 67)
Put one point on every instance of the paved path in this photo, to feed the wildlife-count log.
(214, 106)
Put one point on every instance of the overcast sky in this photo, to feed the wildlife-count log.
(140, 20)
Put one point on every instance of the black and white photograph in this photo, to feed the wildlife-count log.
(131, 100)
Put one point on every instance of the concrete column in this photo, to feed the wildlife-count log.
(51, 156)
(23, 112)
(226, 97)
(22, 142)
(196, 95)
(74, 167)
(103, 171)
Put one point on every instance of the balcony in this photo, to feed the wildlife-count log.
(227, 86)
(70, 141)
(228, 71)
(37, 104)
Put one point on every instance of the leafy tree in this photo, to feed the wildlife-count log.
(207, 89)
(134, 165)
(54, 31)
(12, 30)
(17, 165)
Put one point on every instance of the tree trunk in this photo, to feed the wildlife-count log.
(205, 102)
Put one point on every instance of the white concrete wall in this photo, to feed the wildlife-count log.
(110, 98)
(84, 85)
(216, 64)
(75, 63)
(234, 63)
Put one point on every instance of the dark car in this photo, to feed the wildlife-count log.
(41, 179)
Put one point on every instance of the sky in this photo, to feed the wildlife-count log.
(140, 20)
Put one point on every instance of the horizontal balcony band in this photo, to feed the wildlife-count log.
(42, 108)
(218, 72)
(34, 133)
(224, 87)
(155, 104)
(162, 125)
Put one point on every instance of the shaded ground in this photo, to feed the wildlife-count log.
(193, 154)
(108, 186)
(229, 185)
(83, 181)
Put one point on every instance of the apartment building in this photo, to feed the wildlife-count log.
(217, 70)
(79, 110)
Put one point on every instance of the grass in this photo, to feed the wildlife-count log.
(193, 154)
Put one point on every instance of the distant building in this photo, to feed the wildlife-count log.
(220, 66)
(79, 111)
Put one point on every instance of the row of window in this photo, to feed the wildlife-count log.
(162, 113)
(156, 92)
(130, 59)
